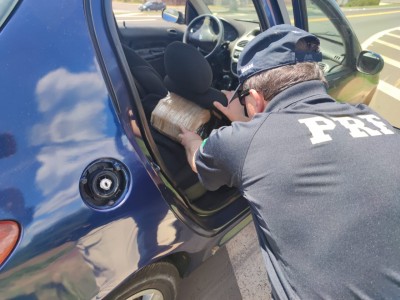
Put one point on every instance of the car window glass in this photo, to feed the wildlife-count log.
(320, 24)
(242, 10)
(6, 7)
(143, 13)
(289, 8)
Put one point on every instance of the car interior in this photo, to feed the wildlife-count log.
(191, 51)
(170, 57)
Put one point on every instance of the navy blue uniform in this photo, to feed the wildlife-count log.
(323, 182)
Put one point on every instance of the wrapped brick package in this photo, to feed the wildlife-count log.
(174, 111)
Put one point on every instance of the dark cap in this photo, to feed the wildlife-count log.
(273, 48)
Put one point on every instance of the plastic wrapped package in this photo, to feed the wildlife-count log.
(174, 111)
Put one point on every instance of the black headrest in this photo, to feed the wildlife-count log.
(190, 76)
(147, 78)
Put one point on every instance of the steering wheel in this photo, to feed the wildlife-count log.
(201, 34)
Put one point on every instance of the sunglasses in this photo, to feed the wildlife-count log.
(242, 96)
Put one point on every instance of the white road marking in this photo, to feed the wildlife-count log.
(383, 86)
(127, 15)
(393, 35)
(391, 61)
(137, 17)
(388, 44)
(120, 11)
(389, 89)
(376, 36)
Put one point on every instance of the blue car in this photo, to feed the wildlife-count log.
(95, 203)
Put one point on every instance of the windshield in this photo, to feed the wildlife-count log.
(242, 10)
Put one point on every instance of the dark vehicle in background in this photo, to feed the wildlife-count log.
(152, 5)
(91, 206)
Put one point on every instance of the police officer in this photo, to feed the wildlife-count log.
(322, 178)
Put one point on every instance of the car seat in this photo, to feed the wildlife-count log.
(188, 75)
(148, 82)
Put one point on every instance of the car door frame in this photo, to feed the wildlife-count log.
(126, 99)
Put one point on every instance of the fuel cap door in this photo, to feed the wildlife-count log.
(104, 183)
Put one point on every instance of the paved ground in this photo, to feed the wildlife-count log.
(215, 279)
(235, 272)
(248, 265)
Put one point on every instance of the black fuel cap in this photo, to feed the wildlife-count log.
(104, 182)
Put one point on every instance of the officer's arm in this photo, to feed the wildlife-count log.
(192, 142)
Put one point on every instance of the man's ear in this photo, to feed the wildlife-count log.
(255, 103)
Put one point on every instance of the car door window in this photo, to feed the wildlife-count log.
(241, 10)
(311, 16)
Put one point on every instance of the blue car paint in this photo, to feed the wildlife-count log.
(61, 116)
(58, 111)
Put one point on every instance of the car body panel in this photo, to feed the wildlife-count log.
(62, 119)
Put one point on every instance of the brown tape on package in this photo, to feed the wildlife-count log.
(174, 111)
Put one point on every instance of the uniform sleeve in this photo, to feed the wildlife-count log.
(219, 160)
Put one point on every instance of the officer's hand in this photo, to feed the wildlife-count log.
(191, 141)
(187, 138)
(234, 111)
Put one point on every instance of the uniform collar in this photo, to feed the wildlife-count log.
(301, 91)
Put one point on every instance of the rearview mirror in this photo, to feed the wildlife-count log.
(369, 62)
(173, 16)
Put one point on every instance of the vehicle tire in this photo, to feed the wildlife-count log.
(158, 281)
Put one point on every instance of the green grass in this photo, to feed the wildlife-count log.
(352, 3)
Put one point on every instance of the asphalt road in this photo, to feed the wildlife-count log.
(237, 271)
